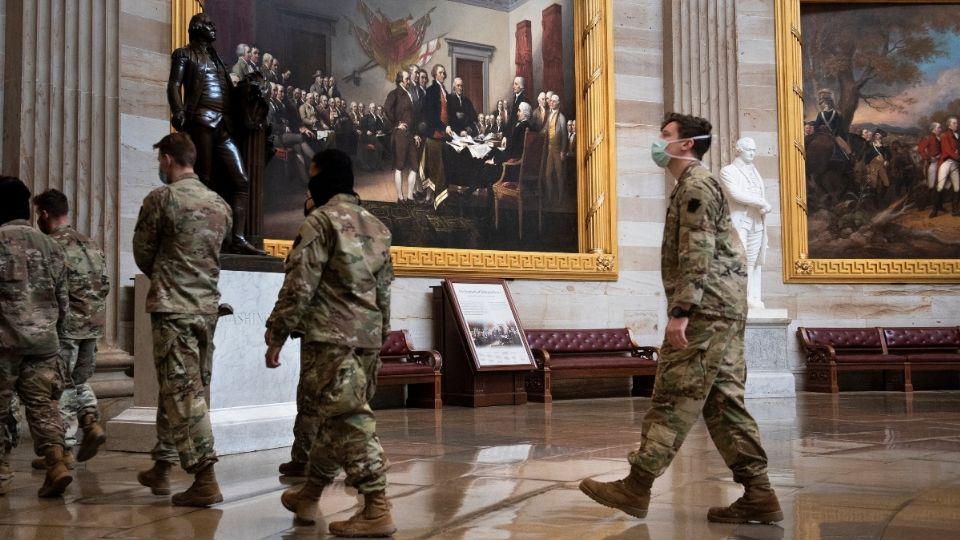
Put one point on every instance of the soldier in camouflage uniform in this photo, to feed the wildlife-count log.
(33, 309)
(88, 285)
(336, 299)
(177, 243)
(701, 366)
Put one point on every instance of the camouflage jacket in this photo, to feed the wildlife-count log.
(87, 283)
(337, 287)
(176, 243)
(702, 261)
(33, 290)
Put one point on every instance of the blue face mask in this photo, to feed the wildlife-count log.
(164, 179)
(658, 150)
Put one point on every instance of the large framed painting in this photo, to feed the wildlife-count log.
(469, 181)
(869, 166)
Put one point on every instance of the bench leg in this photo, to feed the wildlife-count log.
(537, 385)
(821, 378)
(425, 395)
(907, 378)
(643, 385)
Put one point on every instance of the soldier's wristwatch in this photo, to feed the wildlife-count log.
(679, 313)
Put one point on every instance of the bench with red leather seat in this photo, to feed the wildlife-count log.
(928, 348)
(418, 369)
(832, 350)
(587, 353)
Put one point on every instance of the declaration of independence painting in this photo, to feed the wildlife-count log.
(458, 114)
(882, 87)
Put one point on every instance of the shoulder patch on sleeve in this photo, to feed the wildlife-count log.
(693, 205)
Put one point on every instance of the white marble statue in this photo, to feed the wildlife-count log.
(744, 189)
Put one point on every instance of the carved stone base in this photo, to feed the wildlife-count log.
(768, 372)
(251, 407)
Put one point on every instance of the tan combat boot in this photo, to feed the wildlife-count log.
(303, 500)
(68, 460)
(630, 495)
(58, 477)
(759, 503)
(203, 492)
(293, 468)
(93, 437)
(373, 519)
(156, 478)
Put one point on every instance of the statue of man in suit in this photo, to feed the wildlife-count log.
(203, 112)
(743, 187)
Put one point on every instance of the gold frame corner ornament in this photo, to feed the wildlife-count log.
(797, 267)
(596, 175)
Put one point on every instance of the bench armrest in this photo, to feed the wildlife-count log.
(430, 358)
(822, 348)
(542, 358)
(650, 353)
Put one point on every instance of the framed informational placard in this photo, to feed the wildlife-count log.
(489, 324)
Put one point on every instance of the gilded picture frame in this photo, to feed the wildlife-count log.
(798, 266)
(597, 258)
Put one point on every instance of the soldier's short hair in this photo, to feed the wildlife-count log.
(53, 202)
(691, 126)
(179, 147)
(14, 199)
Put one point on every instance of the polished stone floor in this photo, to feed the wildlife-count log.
(857, 466)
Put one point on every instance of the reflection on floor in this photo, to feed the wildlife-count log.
(861, 465)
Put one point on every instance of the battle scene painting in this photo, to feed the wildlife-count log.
(882, 96)
(459, 115)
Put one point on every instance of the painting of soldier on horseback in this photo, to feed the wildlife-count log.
(882, 97)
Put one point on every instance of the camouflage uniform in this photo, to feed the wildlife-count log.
(336, 298)
(33, 306)
(702, 264)
(177, 243)
(88, 285)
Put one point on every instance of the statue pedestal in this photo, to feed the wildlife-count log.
(251, 407)
(765, 343)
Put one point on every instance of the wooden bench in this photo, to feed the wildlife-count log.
(418, 369)
(928, 348)
(830, 351)
(588, 353)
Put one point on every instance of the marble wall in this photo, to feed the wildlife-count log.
(636, 299)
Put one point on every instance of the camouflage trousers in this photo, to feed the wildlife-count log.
(337, 383)
(12, 423)
(38, 382)
(182, 347)
(78, 360)
(708, 375)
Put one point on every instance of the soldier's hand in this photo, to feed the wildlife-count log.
(677, 332)
(273, 356)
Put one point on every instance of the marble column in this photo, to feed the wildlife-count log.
(700, 69)
(61, 81)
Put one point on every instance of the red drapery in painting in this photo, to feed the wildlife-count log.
(234, 20)
(552, 51)
(524, 58)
